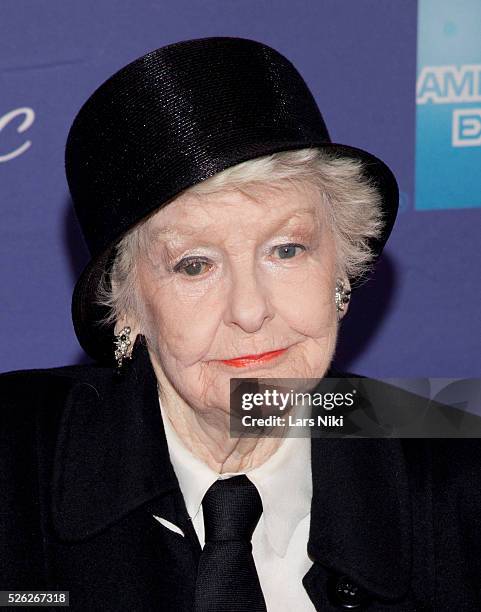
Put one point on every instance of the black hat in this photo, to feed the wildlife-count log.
(171, 119)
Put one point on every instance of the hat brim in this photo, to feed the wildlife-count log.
(97, 340)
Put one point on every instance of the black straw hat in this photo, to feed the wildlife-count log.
(175, 117)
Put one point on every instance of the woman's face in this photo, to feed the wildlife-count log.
(226, 276)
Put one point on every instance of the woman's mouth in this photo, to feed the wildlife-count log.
(246, 360)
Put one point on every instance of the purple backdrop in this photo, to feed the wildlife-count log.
(418, 316)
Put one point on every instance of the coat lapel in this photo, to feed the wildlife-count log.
(111, 454)
(360, 517)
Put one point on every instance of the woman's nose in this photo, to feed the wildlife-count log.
(248, 301)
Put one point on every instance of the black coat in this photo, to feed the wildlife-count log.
(85, 464)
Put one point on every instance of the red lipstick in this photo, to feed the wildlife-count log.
(242, 362)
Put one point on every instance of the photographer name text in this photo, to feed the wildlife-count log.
(292, 421)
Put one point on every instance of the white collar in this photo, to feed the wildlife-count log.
(284, 483)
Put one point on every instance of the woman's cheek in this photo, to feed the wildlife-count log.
(305, 303)
(186, 326)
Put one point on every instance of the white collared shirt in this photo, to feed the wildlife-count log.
(279, 541)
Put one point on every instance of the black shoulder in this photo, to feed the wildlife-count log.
(21, 378)
(452, 465)
(333, 372)
(23, 393)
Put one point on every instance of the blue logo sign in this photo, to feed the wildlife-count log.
(448, 105)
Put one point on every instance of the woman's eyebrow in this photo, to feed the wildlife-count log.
(307, 218)
(170, 231)
(186, 231)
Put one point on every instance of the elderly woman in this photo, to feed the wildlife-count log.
(226, 233)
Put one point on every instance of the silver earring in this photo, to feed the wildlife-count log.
(122, 343)
(343, 295)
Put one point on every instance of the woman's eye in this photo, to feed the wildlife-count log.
(196, 267)
(287, 251)
(192, 267)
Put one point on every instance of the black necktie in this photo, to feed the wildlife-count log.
(227, 579)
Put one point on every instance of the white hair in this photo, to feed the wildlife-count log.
(351, 201)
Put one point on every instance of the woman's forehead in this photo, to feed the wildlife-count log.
(269, 208)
